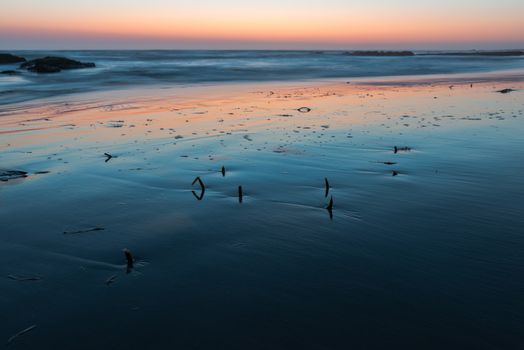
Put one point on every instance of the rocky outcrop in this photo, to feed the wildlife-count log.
(381, 53)
(9, 72)
(7, 58)
(498, 53)
(505, 53)
(54, 65)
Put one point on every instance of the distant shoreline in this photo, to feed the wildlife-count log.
(510, 52)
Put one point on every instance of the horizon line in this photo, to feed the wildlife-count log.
(270, 49)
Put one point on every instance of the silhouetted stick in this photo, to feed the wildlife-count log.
(201, 196)
(110, 280)
(24, 331)
(84, 231)
(108, 157)
(199, 181)
(23, 279)
(327, 186)
(202, 188)
(223, 171)
(129, 259)
(329, 208)
(240, 194)
(396, 149)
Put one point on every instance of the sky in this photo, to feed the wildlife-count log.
(267, 24)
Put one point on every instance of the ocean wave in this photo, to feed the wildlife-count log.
(132, 68)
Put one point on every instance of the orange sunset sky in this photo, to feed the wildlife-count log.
(262, 24)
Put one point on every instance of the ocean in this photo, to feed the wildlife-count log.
(123, 69)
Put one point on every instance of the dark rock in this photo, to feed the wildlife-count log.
(6, 175)
(43, 68)
(9, 72)
(54, 65)
(505, 91)
(499, 53)
(304, 109)
(7, 58)
(504, 53)
(381, 53)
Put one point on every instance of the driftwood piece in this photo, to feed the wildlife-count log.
(22, 332)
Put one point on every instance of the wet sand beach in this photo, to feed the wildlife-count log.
(373, 215)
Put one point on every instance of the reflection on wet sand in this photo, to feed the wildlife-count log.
(419, 183)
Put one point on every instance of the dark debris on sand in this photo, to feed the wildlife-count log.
(24, 278)
(94, 229)
(304, 109)
(110, 280)
(505, 91)
(401, 149)
(6, 175)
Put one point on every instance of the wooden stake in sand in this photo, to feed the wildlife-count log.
(240, 194)
(223, 171)
(129, 259)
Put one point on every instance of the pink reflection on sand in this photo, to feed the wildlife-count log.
(216, 111)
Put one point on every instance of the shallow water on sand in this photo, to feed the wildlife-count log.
(424, 249)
